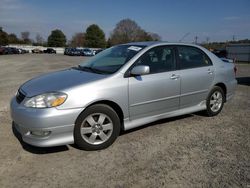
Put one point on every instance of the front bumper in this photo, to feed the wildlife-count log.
(60, 124)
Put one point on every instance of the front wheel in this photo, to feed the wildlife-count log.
(215, 101)
(96, 128)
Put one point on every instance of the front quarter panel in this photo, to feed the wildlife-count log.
(113, 88)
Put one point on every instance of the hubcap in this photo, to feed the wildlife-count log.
(96, 128)
(216, 101)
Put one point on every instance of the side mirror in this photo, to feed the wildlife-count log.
(140, 70)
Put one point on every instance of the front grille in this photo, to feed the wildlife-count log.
(19, 96)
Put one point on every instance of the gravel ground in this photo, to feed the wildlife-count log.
(188, 151)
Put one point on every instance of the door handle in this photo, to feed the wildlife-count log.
(209, 71)
(174, 77)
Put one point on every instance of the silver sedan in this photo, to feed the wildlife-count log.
(121, 88)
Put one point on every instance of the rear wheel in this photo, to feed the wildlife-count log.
(96, 128)
(215, 101)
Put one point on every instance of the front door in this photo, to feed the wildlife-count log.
(157, 92)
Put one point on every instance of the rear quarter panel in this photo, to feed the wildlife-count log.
(224, 73)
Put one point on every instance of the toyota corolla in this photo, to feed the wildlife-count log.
(121, 88)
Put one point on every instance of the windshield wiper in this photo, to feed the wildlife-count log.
(91, 69)
(85, 68)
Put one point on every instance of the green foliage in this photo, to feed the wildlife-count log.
(13, 39)
(95, 37)
(3, 37)
(57, 39)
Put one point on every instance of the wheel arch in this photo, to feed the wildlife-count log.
(223, 87)
(111, 104)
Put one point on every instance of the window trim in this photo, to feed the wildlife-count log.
(196, 48)
(127, 73)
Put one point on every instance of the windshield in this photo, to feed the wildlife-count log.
(111, 59)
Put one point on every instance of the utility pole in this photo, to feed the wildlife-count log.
(233, 37)
(207, 39)
(195, 39)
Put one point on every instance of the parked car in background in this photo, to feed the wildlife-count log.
(12, 50)
(24, 51)
(79, 52)
(87, 52)
(75, 52)
(2, 50)
(123, 87)
(36, 51)
(49, 51)
(97, 51)
(72, 51)
(9, 50)
(67, 51)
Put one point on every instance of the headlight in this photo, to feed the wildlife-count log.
(46, 100)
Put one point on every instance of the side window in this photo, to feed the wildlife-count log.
(159, 59)
(191, 57)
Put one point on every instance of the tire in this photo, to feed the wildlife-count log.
(96, 128)
(215, 101)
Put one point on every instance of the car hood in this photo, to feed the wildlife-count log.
(58, 81)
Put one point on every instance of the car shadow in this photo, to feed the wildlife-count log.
(37, 150)
(243, 81)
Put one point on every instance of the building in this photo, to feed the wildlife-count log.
(239, 52)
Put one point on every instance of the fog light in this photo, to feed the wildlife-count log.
(40, 133)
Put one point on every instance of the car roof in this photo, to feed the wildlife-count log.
(147, 43)
(155, 43)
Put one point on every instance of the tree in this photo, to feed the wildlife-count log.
(144, 36)
(125, 31)
(57, 39)
(13, 39)
(155, 36)
(25, 37)
(109, 43)
(95, 37)
(3, 37)
(128, 30)
(78, 40)
(39, 39)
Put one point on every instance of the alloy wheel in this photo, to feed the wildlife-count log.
(96, 128)
(216, 101)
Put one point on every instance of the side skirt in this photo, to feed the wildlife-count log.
(142, 121)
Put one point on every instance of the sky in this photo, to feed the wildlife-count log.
(213, 20)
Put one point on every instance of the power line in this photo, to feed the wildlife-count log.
(184, 36)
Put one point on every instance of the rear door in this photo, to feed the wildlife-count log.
(197, 74)
(159, 91)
